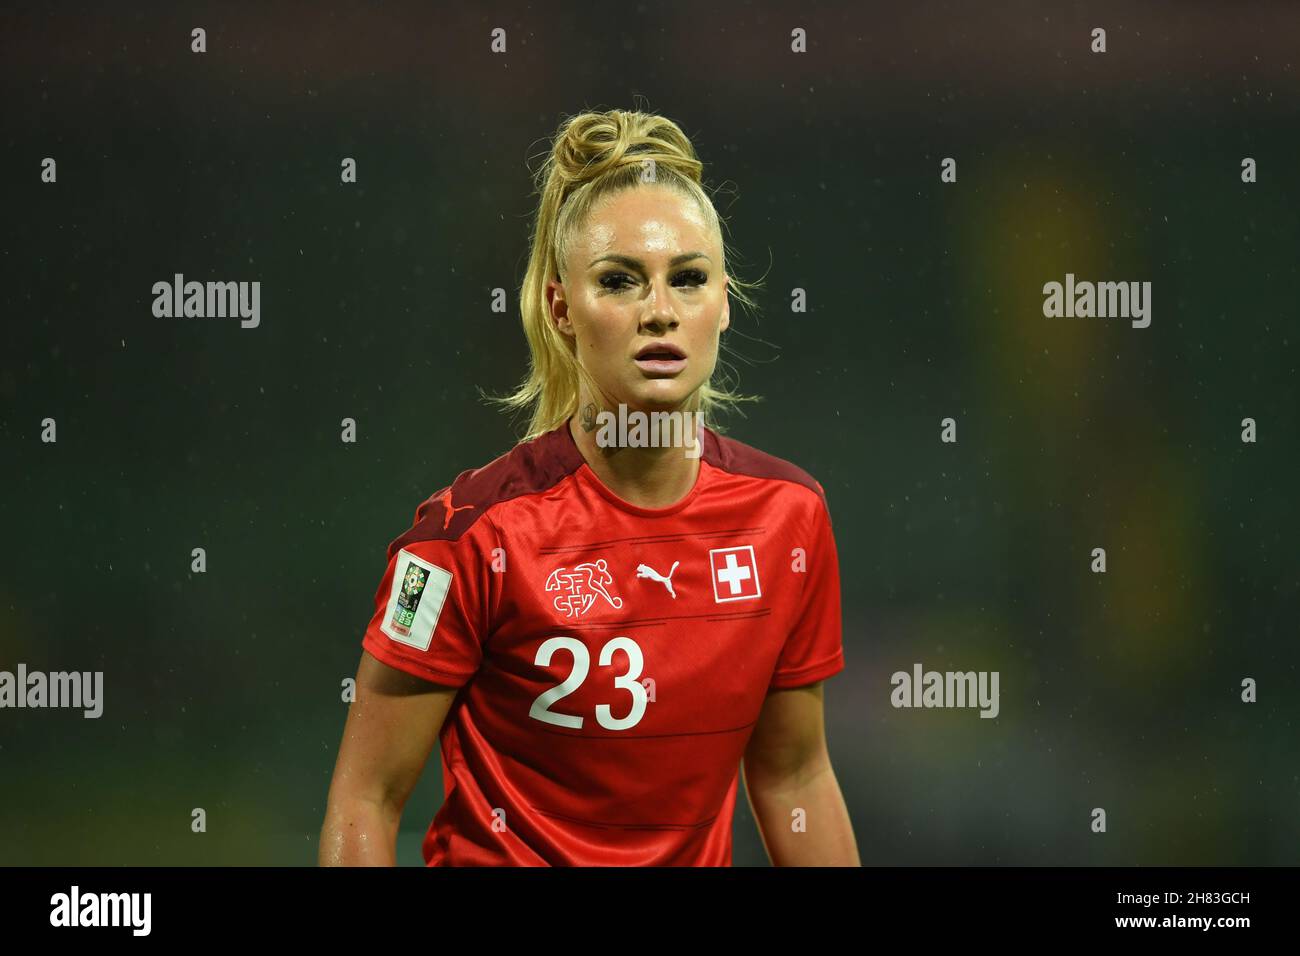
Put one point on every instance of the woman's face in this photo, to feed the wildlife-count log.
(644, 298)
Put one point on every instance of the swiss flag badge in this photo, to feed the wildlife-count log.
(735, 574)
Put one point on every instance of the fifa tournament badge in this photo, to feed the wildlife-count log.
(407, 602)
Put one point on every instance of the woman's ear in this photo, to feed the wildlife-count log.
(557, 309)
(726, 306)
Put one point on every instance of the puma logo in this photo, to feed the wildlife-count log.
(645, 571)
(445, 498)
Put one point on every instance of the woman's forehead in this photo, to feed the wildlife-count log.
(646, 219)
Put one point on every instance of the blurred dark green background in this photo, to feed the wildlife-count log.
(223, 689)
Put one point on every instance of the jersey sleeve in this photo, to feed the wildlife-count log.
(432, 610)
(814, 649)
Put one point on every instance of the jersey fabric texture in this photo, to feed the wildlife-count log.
(611, 660)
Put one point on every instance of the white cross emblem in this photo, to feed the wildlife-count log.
(735, 574)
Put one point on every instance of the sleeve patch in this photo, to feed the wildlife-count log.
(415, 604)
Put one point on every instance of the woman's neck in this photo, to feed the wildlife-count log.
(647, 477)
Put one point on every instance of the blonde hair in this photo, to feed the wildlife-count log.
(594, 155)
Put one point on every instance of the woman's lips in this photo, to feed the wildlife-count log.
(661, 365)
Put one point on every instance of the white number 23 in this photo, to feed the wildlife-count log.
(581, 664)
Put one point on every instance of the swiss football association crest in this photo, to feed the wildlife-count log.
(735, 574)
(580, 586)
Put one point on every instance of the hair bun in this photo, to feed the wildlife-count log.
(590, 145)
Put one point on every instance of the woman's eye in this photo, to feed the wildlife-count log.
(612, 280)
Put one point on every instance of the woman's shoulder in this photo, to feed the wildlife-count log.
(529, 467)
(739, 458)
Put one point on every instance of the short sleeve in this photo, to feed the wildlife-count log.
(431, 610)
(814, 648)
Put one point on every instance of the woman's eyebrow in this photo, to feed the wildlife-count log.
(633, 263)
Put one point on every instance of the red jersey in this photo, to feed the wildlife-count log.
(612, 660)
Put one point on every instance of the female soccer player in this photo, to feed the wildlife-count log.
(602, 624)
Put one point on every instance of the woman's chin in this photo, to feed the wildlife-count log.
(658, 395)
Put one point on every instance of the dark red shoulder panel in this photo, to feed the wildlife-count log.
(526, 469)
(741, 459)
